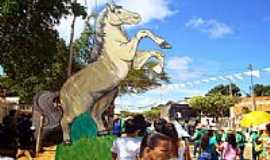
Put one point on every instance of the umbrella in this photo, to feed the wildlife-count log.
(255, 118)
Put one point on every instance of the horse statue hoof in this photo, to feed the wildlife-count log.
(67, 143)
(165, 45)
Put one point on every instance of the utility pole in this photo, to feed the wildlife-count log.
(230, 86)
(250, 67)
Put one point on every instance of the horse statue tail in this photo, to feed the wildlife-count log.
(45, 103)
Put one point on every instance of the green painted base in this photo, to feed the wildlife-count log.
(83, 127)
(98, 148)
(85, 143)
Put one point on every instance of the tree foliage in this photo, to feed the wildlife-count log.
(154, 113)
(225, 90)
(31, 53)
(139, 81)
(262, 90)
(214, 105)
(35, 58)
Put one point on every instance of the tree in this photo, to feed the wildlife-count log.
(31, 52)
(214, 105)
(225, 90)
(262, 90)
(154, 113)
(77, 11)
(139, 81)
(200, 103)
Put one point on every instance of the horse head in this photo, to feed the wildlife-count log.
(117, 16)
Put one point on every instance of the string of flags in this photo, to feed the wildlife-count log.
(231, 78)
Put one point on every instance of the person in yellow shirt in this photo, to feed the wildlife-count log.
(265, 139)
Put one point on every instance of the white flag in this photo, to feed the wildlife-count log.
(266, 69)
(213, 79)
(239, 76)
(230, 77)
(197, 82)
(205, 80)
(190, 84)
(255, 73)
(222, 78)
(182, 85)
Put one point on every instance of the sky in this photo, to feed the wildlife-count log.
(210, 38)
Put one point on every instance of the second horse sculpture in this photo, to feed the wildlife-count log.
(94, 88)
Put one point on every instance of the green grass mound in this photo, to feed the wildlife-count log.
(98, 148)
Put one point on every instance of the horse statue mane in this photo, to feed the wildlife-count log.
(99, 34)
(95, 87)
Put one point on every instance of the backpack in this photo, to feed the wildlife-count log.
(205, 156)
(116, 127)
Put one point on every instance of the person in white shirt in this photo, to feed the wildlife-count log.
(127, 147)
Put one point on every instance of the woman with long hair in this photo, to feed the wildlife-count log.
(229, 148)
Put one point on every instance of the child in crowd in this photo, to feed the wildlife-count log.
(128, 146)
(155, 147)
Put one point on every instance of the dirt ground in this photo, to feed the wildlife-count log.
(46, 154)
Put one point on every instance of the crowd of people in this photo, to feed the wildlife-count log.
(140, 142)
(164, 142)
(230, 144)
(16, 133)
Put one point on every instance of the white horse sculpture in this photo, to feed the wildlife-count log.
(95, 87)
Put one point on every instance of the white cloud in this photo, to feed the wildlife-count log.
(179, 63)
(213, 28)
(148, 9)
(181, 68)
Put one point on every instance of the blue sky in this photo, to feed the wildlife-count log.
(210, 38)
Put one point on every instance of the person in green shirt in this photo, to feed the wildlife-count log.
(209, 145)
(224, 136)
(254, 135)
(241, 140)
(197, 139)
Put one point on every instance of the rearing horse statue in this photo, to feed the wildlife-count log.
(94, 88)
